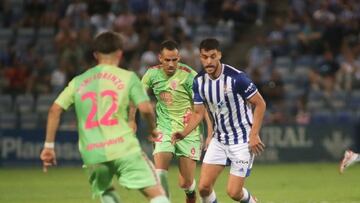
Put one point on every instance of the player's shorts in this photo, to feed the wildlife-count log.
(188, 147)
(238, 156)
(133, 172)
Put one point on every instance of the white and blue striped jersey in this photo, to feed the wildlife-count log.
(226, 98)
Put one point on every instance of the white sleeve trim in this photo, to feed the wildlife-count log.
(252, 94)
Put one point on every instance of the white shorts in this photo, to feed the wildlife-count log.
(238, 156)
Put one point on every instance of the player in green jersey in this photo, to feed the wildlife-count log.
(171, 82)
(107, 144)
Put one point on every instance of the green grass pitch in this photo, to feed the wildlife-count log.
(271, 183)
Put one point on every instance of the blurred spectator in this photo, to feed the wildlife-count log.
(323, 76)
(302, 114)
(101, 19)
(39, 81)
(131, 44)
(259, 56)
(65, 35)
(273, 90)
(309, 37)
(190, 54)
(17, 77)
(77, 13)
(58, 77)
(124, 20)
(348, 77)
(148, 58)
(34, 11)
(277, 39)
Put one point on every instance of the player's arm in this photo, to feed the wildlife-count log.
(196, 117)
(142, 102)
(132, 116)
(63, 102)
(209, 127)
(259, 105)
(147, 112)
(48, 153)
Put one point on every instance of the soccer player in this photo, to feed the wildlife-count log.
(237, 111)
(349, 159)
(171, 82)
(107, 144)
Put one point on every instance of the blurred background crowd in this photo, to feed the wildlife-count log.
(303, 55)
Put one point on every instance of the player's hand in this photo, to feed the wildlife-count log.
(133, 126)
(155, 136)
(48, 158)
(177, 136)
(256, 145)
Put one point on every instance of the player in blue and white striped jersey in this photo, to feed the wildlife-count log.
(237, 110)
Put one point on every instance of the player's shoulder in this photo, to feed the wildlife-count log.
(233, 72)
(185, 68)
(200, 74)
(154, 68)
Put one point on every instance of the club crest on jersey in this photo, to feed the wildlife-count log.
(173, 84)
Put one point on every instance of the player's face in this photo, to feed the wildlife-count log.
(169, 60)
(210, 60)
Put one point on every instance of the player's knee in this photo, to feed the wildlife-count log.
(185, 183)
(204, 190)
(235, 193)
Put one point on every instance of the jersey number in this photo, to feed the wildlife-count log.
(106, 119)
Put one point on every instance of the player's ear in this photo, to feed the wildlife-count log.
(219, 54)
(119, 54)
(160, 58)
(95, 55)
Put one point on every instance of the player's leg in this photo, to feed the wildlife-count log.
(100, 178)
(163, 154)
(162, 162)
(155, 194)
(208, 176)
(189, 151)
(236, 190)
(213, 163)
(349, 159)
(187, 181)
(137, 172)
(241, 164)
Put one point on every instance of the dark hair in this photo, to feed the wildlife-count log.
(209, 44)
(169, 45)
(107, 42)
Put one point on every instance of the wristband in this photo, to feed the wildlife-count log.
(50, 145)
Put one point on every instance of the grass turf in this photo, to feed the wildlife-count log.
(272, 183)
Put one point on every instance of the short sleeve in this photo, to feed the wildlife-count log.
(244, 86)
(137, 92)
(66, 97)
(189, 82)
(197, 97)
(146, 79)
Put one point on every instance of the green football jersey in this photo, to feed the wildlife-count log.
(101, 97)
(174, 98)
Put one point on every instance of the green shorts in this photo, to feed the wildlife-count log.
(134, 172)
(188, 147)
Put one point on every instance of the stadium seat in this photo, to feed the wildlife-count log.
(6, 104)
(24, 103)
(68, 121)
(8, 120)
(29, 120)
(44, 102)
(322, 116)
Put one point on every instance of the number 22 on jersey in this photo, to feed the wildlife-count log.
(106, 119)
